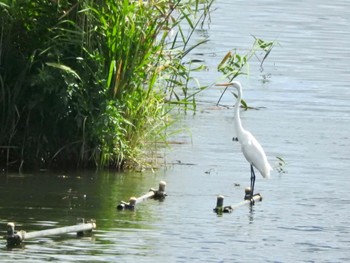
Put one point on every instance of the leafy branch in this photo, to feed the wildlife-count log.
(233, 64)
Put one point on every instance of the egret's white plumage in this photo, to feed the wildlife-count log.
(250, 146)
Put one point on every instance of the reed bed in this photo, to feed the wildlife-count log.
(86, 83)
(89, 83)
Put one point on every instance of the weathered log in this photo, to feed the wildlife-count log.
(15, 238)
(156, 194)
(255, 198)
(248, 200)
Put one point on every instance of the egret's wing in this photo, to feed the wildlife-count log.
(255, 155)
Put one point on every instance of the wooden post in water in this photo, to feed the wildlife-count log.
(15, 238)
(156, 194)
(219, 204)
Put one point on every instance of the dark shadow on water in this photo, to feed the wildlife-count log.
(251, 214)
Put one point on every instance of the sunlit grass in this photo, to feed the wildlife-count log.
(87, 83)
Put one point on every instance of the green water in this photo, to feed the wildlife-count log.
(44, 200)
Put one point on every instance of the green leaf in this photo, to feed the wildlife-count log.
(64, 68)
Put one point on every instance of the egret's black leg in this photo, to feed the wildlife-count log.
(252, 180)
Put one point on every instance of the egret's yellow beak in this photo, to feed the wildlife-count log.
(223, 84)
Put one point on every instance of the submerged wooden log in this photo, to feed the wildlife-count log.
(248, 200)
(255, 198)
(156, 194)
(15, 238)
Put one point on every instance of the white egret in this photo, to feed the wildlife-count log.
(250, 146)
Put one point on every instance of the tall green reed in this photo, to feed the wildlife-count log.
(179, 74)
(89, 79)
(234, 64)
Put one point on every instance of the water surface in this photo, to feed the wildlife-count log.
(304, 117)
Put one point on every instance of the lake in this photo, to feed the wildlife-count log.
(303, 97)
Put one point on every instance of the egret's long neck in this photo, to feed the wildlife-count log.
(237, 119)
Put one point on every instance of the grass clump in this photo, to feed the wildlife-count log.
(83, 83)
